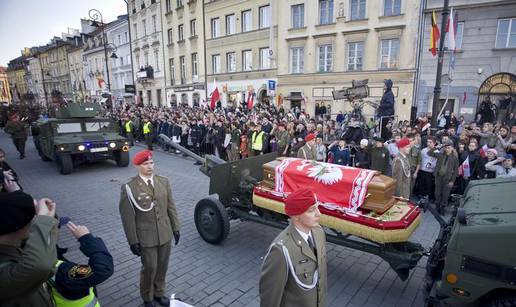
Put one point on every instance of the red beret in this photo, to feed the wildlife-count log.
(142, 156)
(403, 142)
(299, 201)
(309, 137)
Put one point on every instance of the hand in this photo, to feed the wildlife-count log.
(136, 249)
(10, 185)
(414, 175)
(450, 184)
(9, 175)
(176, 237)
(46, 207)
(77, 230)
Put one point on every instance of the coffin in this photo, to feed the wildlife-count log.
(379, 216)
(380, 194)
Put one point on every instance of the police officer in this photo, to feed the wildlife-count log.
(28, 236)
(294, 269)
(147, 133)
(74, 284)
(17, 128)
(129, 130)
(150, 220)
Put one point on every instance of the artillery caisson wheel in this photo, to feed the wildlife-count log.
(211, 220)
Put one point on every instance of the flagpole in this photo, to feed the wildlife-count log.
(437, 88)
(447, 88)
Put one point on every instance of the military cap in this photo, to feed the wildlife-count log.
(142, 156)
(299, 201)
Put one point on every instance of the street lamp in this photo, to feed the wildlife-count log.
(96, 17)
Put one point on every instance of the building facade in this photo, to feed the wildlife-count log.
(120, 72)
(147, 46)
(95, 70)
(240, 49)
(34, 80)
(76, 70)
(485, 57)
(5, 93)
(326, 44)
(183, 32)
(59, 73)
(16, 78)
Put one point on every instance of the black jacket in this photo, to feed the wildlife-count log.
(386, 107)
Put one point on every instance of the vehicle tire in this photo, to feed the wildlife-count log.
(64, 163)
(121, 158)
(211, 220)
(502, 300)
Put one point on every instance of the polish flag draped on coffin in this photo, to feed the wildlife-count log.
(334, 184)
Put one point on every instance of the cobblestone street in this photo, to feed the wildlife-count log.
(199, 273)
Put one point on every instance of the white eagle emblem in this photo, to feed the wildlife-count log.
(325, 173)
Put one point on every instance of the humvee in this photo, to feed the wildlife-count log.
(75, 135)
(473, 260)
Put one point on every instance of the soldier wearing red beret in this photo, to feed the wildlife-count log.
(150, 220)
(294, 269)
(308, 151)
(401, 169)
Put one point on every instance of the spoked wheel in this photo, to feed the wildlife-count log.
(211, 220)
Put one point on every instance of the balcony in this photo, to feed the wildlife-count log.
(145, 74)
(143, 5)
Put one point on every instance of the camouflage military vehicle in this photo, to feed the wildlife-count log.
(75, 136)
(473, 261)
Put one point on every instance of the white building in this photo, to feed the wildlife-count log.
(147, 45)
(35, 86)
(120, 72)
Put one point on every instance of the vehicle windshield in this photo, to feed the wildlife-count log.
(68, 127)
(106, 126)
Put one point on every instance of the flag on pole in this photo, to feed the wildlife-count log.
(464, 169)
(250, 100)
(215, 95)
(450, 31)
(434, 35)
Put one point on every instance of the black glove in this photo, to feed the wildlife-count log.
(176, 236)
(136, 249)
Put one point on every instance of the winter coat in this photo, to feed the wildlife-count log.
(386, 107)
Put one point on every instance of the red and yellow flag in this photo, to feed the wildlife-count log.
(434, 35)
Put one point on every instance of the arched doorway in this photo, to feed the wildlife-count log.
(195, 99)
(500, 90)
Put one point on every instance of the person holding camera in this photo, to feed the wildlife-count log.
(28, 237)
(150, 221)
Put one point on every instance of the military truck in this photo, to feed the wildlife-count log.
(473, 260)
(75, 136)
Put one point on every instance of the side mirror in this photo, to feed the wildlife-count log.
(462, 217)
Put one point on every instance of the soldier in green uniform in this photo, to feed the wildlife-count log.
(294, 268)
(379, 156)
(150, 220)
(414, 158)
(17, 128)
(401, 169)
(28, 236)
(282, 139)
(445, 173)
(308, 151)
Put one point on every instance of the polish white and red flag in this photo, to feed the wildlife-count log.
(250, 100)
(334, 185)
(215, 95)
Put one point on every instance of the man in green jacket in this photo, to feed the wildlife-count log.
(445, 173)
(379, 156)
(17, 128)
(28, 235)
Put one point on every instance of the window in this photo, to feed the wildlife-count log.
(325, 12)
(128, 59)
(121, 61)
(265, 62)
(179, 3)
(172, 71)
(194, 67)
(182, 69)
(125, 37)
(215, 27)
(265, 15)
(247, 60)
(146, 58)
(119, 39)
(230, 24)
(149, 97)
(144, 27)
(158, 97)
(231, 61)
(247, 21)
(325, 58)
(135, 30)
(156, 60)
(355, 55)
(215, 63)
(298, 16)
(180, 36)
(392, 7)
(458, 37)
(193, 31)
(168, 7)
(169, 36)
(154, 25)
(389, 53)
(297, 60)
(358, 8)
(506, 33)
